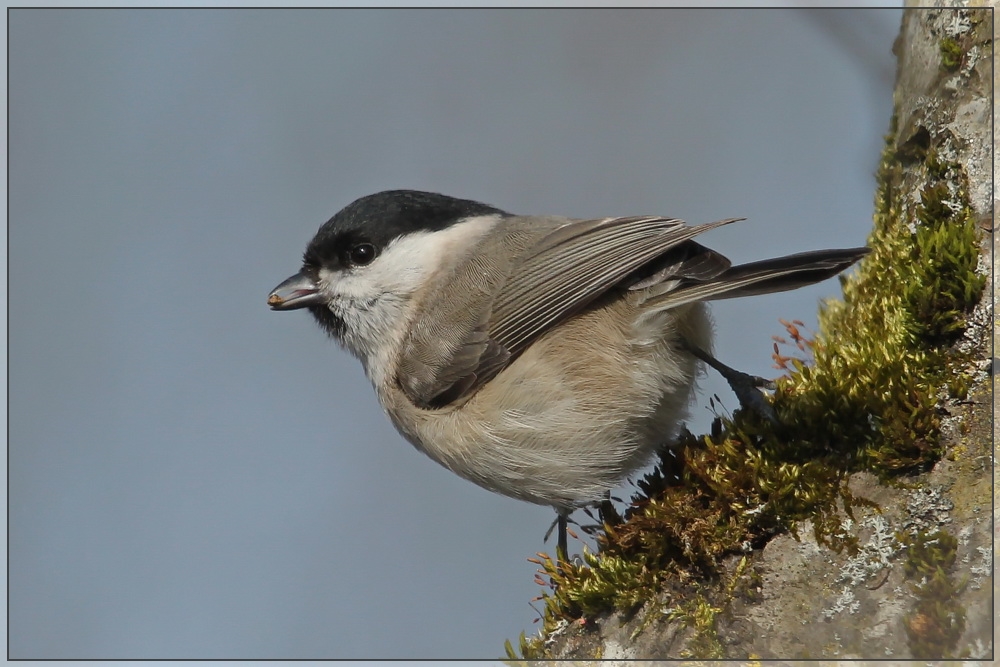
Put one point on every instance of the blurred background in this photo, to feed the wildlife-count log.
(194, 476)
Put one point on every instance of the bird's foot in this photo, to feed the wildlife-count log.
(746, 387)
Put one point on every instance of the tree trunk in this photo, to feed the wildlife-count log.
(920, 584)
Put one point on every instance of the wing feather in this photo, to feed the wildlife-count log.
(536, 280)
(576, 264)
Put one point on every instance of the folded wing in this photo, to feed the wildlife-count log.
(534, 283)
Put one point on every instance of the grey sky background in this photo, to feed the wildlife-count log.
(194, 476)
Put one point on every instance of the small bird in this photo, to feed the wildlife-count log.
(544, 358)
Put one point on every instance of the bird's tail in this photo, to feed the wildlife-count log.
(769, 275)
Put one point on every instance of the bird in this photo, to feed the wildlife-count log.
(543, 358)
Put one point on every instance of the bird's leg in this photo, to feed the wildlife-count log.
(562, 548)
(745, 386)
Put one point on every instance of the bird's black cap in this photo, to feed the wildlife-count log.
(382, 217)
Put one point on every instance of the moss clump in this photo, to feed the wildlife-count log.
(951, 54)
(886, 348)
(936, 621)
(598, 584)
(700, 615)
(860, 395)
(529, 649)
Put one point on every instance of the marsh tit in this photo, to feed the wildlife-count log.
(540, 357)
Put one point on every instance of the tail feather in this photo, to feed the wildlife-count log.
(769, 275)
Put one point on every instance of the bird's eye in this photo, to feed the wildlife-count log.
(362, 254)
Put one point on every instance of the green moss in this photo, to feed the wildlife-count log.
(700, 616)
(596, 585)
(860, 395)
(926, 553)
(936, 621)
(951, 54)
(529, 649)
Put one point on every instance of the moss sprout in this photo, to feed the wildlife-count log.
(951, 54)
(936, 621)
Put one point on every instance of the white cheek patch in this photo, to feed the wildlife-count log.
(373, 300)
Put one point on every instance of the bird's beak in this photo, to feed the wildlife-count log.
(298, 291)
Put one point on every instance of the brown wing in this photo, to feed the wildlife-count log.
(530, 283)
